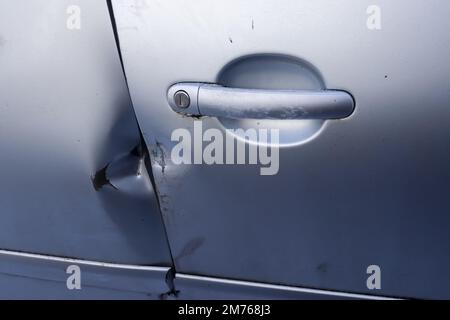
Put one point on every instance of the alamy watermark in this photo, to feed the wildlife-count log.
(374, 280)
(214, 146)
(73, 281)
(73, 21)
(374, 17)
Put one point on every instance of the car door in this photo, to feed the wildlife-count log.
(362, 180)
(66, 128)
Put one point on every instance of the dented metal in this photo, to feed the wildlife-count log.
(71, 184)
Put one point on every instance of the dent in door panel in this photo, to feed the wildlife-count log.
(65, 113)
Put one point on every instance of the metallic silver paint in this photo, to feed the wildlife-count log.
(369, 189)
(239, 103)
(199, 287)
(65, 113)
(33, 276)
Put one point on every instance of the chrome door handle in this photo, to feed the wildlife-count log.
(203, 99)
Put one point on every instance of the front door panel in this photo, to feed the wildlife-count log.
(65, 114)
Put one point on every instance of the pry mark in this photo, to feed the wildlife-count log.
(164, 198)
(170, 281)
(159, 156)
(99, 179)
(190, 248)
(230, 39)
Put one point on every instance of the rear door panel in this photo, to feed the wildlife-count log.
(371, 189)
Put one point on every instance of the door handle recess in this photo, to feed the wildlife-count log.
(204, 99)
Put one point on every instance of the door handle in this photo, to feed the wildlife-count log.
(204, 99)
